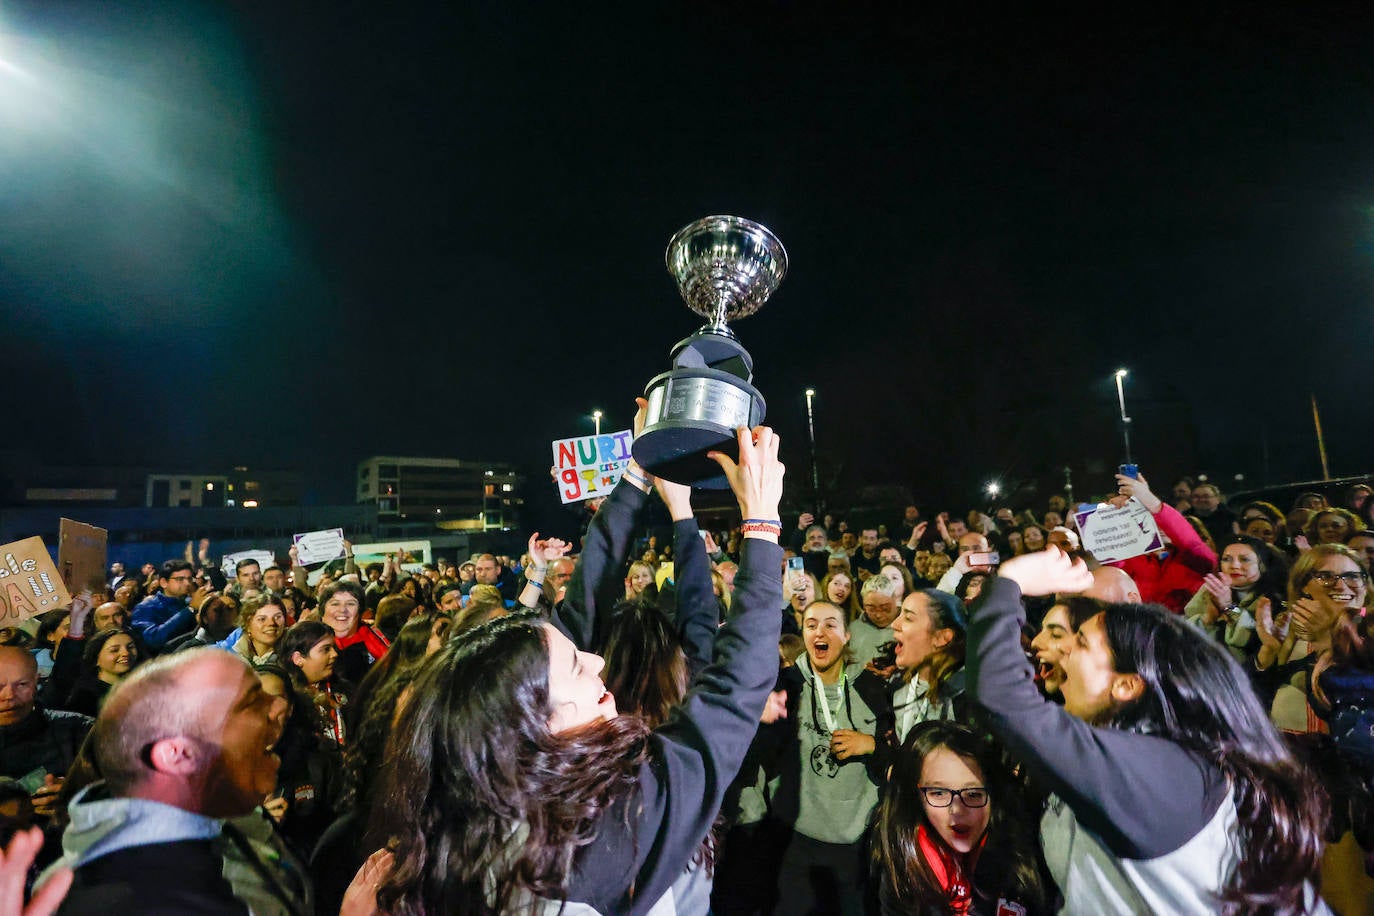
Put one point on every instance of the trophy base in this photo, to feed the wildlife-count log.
(692, 412)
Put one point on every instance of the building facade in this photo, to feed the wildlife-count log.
(412, 494)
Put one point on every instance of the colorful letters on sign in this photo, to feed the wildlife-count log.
(586, 467)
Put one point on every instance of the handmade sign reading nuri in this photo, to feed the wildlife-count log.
(29, 583)
(586, 467)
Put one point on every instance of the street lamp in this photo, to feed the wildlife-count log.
(1125, 420)
(993, 489)
(596, 418)
(811, 433)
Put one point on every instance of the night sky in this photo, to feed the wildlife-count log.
(287, 237)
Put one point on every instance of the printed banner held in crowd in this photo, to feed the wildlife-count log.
(413, 555)
(81, 555)
(1113, 534)
(265, 559)
(319, 546)
(29, 583)
(586, 467)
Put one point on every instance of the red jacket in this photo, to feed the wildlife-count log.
(1173, 580)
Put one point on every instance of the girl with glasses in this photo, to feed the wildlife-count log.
(951, 834)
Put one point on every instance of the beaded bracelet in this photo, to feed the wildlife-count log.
(762, 527)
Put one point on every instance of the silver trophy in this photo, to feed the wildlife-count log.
(726, 268)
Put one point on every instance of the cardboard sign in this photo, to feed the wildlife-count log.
(29, 583)
(227, 563)
(1113, 534)
(81, 555)
(586, 467)
(319, 546)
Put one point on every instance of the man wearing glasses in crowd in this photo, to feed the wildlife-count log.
(171, 611)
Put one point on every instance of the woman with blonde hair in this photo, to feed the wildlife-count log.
(639, 582)
(1327, 583)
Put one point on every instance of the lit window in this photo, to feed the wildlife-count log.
(209, 486)
(506, 488)
(250, 504)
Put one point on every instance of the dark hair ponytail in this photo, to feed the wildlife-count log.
(1197, 696)
(646, 670)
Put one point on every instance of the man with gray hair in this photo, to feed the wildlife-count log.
(184, 744)
(874, 627)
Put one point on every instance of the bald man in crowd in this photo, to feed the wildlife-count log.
(184, 744)
(1113, 585)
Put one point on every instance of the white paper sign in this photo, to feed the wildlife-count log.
(265, 559)
(319, 546)
(586, 467)
(1113, 534)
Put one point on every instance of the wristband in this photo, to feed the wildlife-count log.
(763, 528)
(763, 521)
(635, 478)
(536, 583)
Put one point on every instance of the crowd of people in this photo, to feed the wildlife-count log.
(960, 714)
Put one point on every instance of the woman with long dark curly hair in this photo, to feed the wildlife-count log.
(951, 833)
(512, 780)
(1172, 791)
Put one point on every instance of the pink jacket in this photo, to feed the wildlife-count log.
(1175, 578)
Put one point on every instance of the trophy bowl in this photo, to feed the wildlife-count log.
(726, 267)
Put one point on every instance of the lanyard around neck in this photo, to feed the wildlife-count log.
(819, 692)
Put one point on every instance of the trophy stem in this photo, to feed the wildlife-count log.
(717, 324)
(721, 329)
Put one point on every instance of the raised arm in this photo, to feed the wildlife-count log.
(584, 615)
(697, 611)
(542, 553)
(1143, 796)
(696, 754)
(1192, 551)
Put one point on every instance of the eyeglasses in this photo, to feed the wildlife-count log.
(1328, 579)
(940, 797)
(186, 578)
